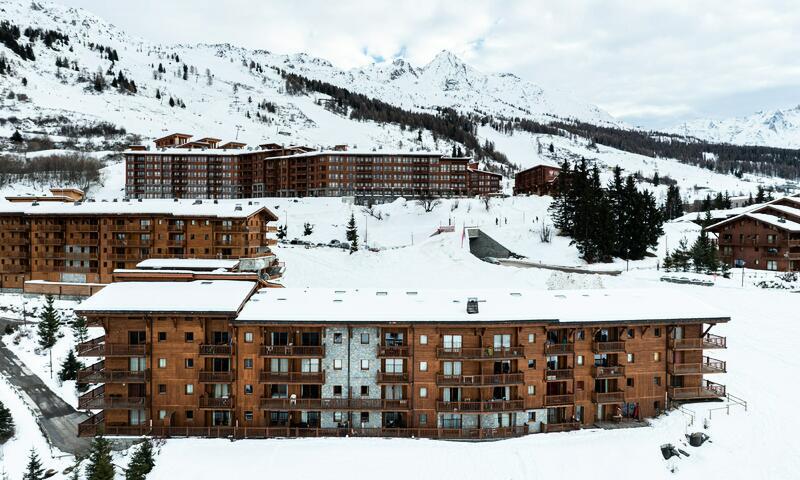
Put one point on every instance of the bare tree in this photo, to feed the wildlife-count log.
(487, 202)
(428, 203)
(545, 232)
(372, 212)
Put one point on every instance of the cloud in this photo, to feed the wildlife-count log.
(656, 60)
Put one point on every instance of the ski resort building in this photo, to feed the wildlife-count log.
(83, 242)
(180, 168)
(222, 358)
(537, 180)
(766, 237)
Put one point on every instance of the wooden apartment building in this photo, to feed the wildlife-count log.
(537, 180)
(179, 168)
(220, 358)
(85, 241)
(766, 237)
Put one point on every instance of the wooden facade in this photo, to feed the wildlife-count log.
(537, 180)
(203, 374)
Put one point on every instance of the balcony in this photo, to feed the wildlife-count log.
(216, 350)
(217, 377)
(558, 374)
(480, 380)
(707, 389)
(558, 348)
(391, 377)
(292, 377)
(97, 399)
(701, 343)
(617, 346)
(393, 351)
(612, 371)
(617, 396)
(559, 400)
(97, 373)
(708, 365)
(561, 427)
(209, 403)
(336, 404)
(97, 347)
(481, 353)
(307, 351)
(482, 406)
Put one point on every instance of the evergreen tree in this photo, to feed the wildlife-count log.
(282, 232)
(6, 424)
(70, 367)
(100, 466)
(171, 102)
(703, 253)
(760, 198)
(141, 463)
(680, 257)
(80, 330)
(560, 210)
(16, 137)
(34, 470)
(352, 234)
(49, 328)
(656, 179)
(308, 229)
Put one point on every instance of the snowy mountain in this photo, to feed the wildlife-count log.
(777, 128)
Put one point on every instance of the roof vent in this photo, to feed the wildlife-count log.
(138, 199)
(216, 201)
(250, 203)
(411, 293)
(238, 207)
(337, 300)
(205, 282)
(782, 220)
(34, 203)
(175, 199)
(339, 292)
(472, 305)
(197, 202)
(516, 294)
(381, 293)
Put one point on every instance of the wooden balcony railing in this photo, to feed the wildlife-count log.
(393, 351)
(558, 348)
(217, 377)
(480, 380)
(98, 348)
(292, 377)
(481, 353)
(483, 406)
(608, 371)
(706, 342)
(391, 377)
(554, 375)
(707, 389)
(97, 373)
(608, 397)
(708, 365)
(560, 427)
(556, 400)
(216, 350)
(312, 351)
(337, 404)
(609, 346)
(97, 399)
(210, 403)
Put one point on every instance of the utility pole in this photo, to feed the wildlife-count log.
(366, 230)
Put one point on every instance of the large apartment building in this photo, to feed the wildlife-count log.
(765, 237)
(181, 168)
(537, 180)
(220, 358)
(85, 241)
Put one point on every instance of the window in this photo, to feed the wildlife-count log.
(657, 406)
(579, 385)
(531, 338)
(337, 363)
(162, 388)
(423, 392)
(656, 380)
(162, 414)
(309, 365)
(162, 363)
(502, 341)
(337, 390)
(423, 366)
(162, 336)
(189, 414)
(188, 363)
(248, 389)
(364, 417)
(629, 382)
(423, 340)
(656, 356)
(772, 264)
(657, 332)
(630, 333)
(365, 338)
(337, 417)
(531, 389)
(188, 337)
(451, 368)
(630, 358)
(248, 337)
(337, 338)
(364, 390)
(395, 365)
(279, 365)
(579, 360)
(248, 363)
(248, 416)
(423, 418)
(532, 363)
(452, 342)
(365, 364)
(580, 335)
(189, 389)
(532, 416)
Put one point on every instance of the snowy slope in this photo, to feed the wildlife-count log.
(777, 128)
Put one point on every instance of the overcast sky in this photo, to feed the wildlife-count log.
(653, 62)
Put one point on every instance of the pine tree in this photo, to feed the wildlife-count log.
(352, 234)
(141, 462)
(656, 179)
(49, 328)
(34, 470)
(80, 330)
(760, 198)
(680, 257)
(171, 102)
(283, 230)
(158, 94)
(560, 210)
(100, 466)
(70, 367)
(308, 229)
(703, 253)
(16, 137)
(6, 424)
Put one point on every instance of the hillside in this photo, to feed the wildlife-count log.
(776, 128)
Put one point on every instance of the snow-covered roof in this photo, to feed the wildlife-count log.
(541, 163)
(752, 210)
(187, 264)
(208, 296)
(180, 208)
(795, 212)
(362, 153)
(450, 306)
(775, 221)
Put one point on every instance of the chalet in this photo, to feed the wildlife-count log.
(172, 140)
(537, 180)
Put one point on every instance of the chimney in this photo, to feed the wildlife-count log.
(472, 305)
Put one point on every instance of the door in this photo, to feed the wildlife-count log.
(137, 337)
(220, 390)
(677, 333)
(137, 364)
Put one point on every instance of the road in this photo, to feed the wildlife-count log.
(526, 264)
(57, 419)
